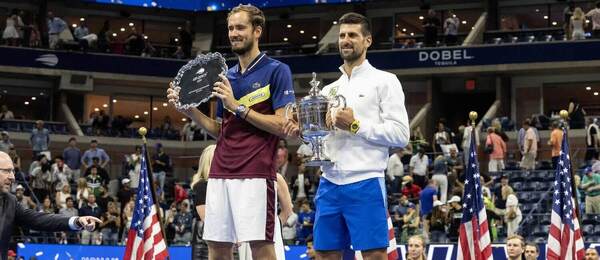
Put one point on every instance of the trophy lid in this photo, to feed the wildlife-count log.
(314, 91)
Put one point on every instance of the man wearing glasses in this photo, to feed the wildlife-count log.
(11, 212)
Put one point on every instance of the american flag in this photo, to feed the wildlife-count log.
(565, 240)
(392, 250)
(474, 238)
(145, 238)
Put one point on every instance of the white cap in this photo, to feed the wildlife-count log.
(125, 181)
(19, 187)
(437, 203)
(454, 199)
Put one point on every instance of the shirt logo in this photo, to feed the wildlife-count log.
(288, 92)
(333, 91)
(256, 85)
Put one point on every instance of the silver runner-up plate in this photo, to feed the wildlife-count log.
(197, 78)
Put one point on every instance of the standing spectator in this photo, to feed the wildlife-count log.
(513, 215)
(94, 151)
(188, 131)
(34, 38)
(25, 201)
(398, 211)
(440, 176)
(69, 210)
(62, 195)
(111, 222)
(418, 167)
(42, 178)
(124, 194)
(90, 209)
(451, 29)
(529, 147)
(161, 165)
(455, 218)
(594, 14)
(410, 190)
(72, 157)
(576, 114)
(134, 43)
(567, 13)
(502, 192)
(127, 216)
(496, 148)
(427, 197)
(466, 142)
(577, 23)
(135, 166)
(186, 37)
(199, 185)
(430, 26)
(441, 137)
(410, 223)
(83, 192)
(395, 170)
(55, 27)
(62, 171)
(591, 185)
(300, 183)
(306, 220)
(40, 138)
(455, 169)
(555, 143)
(5, 143)
(183, 225)
(10, 34)
(12, 152)
(94, 181)
(104, 40)
(6, 114)
(592, 140)
(438, 220)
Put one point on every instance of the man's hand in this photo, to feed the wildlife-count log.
(173, 97)
(284, 215)
(343, 118)
(291, 128)
(88, 222)
(224, 91)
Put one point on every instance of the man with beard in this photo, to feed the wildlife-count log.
(351, 194)
(240, 200)
(13, 213)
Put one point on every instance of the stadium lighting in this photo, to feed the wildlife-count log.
(130, 24)
(74, 25)
(96, 109)
(537, 10)
(464, 22)
(136, 116)
(33, 98)
(114, 101)
(588, 88)
(145, 37)
(289, 26)
(334, 22)
(545, 17)
(41, 93)
(285, 39)
(421, 17)
(165, 104)
(122, 29)
(554, 23)
(412, 34)
(183, 119)
(404, 29)
(314, 37)
(114, 34)
(105, 105)
(145, 112)
(595, 93)
(587, 21)
(155, 108)
(178, 27)
(176, 40)
(301, 31)
(82, 19)
(26, 103)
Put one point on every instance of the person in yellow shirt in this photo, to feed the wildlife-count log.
(555, 142)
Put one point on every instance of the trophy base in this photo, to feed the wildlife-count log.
(318, 162)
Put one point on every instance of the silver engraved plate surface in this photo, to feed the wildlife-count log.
(197, 77)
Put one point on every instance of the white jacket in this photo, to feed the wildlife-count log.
(377, 100)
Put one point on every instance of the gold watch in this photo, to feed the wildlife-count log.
(355, 126)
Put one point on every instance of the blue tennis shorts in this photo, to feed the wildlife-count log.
(351, 215)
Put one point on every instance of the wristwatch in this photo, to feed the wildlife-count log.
(240, 110)
(355, 126)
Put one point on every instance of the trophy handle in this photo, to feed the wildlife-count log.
(288, 107)
(339, 100)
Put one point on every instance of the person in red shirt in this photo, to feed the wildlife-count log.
(498, 150)
(410, 190)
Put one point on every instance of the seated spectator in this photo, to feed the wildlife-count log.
(410, 223)
(591, 185)
(111, 222)
(438, 221)
(25, 201)
(101, 171)
(512, 216)
(69, 210)
(134, 43)
(47, 206)
(399, 210)
(104, 39)
(188, 131)
(90, 209)
(183, 225)
(306, 220)
(62, 195)
(410, 190)
(149, 50)
(35, 38)
(119, 126)
(6, 114)
(81, 35)
(124, 194)
(502, 192)
(100, 123)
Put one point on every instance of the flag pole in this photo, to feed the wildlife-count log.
(142, 131)
(564, 115)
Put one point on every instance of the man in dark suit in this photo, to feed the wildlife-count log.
(12, 213)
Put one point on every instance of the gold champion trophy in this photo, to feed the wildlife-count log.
(311, 112)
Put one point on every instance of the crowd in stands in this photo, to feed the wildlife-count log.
(22, 30)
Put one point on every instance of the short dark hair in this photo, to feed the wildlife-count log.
(94, 141)
(355, 18)
(257, 18)
(537, 249)
(527, 122)
(69, 198)
(72, 139)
